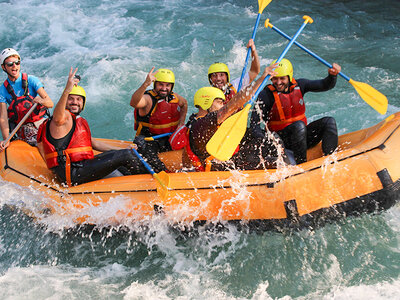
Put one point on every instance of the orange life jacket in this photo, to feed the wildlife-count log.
(287, 109)
(19, 106)
(229, 93)
(163, 116)
(78, 149)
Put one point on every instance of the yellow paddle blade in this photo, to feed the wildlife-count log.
(164, 181)
(225, 140)
(375, 99)
(262, 4)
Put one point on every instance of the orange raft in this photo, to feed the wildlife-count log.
(362, 176)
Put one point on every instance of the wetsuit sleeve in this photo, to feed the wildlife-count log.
(321, 85)
(260, 112)
(201, 132)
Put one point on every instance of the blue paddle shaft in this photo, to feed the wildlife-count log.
(309, 52)
(146, 165)
(264, 82)
(161, 135)
(248, 52)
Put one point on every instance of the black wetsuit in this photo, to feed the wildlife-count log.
(101, 165)
(254, 152)
(297, 136)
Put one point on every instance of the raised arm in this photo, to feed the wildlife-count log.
(138, 100)
(255, 63)
(61, 117)
(243, 96)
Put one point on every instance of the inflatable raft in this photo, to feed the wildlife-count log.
(361, 177)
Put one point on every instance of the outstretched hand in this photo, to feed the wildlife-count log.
(72, 80)
(151, 77)
(270, 70)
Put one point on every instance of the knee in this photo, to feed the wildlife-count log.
(298, 132)
(330, 123)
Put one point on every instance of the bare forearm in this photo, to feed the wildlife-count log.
(138, 94)
(102, 146)
(5, 130)
(59, 110)
(44, 99)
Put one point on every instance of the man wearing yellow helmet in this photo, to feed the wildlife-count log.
(253, 153)
(19, 91)
(219, 76)
(158, 110)
(281, 106)
(66, 144)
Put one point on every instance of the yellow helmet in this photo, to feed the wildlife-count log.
(284, 68)
(205, 97)
(165, 75)
(78, 90)
(218, 68)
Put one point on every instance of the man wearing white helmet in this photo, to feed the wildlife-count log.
(66, 144)
(19, 91)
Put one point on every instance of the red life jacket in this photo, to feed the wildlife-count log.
(229, 93)
(163, 116)
(78, 149)
(287, 108)
(19, 106)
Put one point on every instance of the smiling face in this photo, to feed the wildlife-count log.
(281, 83)
(219, 80)
(163, 89)
(74, 104)
(12, 66)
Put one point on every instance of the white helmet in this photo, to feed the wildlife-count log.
(7, 53)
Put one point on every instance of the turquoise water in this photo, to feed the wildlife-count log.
(114, 44)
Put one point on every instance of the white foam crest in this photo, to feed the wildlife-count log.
(383, 291)
(53, 282)
(187, 286)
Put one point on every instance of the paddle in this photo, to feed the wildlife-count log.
(261, 5)
(228, 136)
(20, 123)
(375, 99)
(162, 177)
(152, 138)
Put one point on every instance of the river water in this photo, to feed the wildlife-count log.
(114, 44)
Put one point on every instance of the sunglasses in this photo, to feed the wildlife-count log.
(11, 63)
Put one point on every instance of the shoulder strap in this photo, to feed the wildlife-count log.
(25, 84)
(10, 90)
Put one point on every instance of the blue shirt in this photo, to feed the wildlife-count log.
(33, 84)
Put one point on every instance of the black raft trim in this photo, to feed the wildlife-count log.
(292, 212)
(385, 178)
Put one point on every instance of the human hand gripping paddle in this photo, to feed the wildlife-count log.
(7, 140)
(375, 99)
(228, 136)
(261, 5)
(162, 177)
